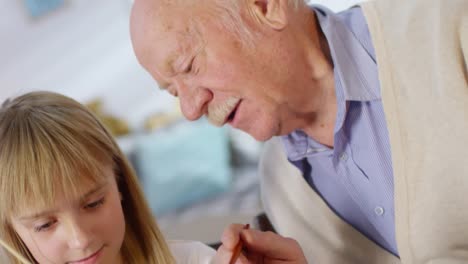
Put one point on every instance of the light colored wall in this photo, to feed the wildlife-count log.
(82, 50)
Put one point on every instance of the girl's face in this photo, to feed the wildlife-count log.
(88, 230)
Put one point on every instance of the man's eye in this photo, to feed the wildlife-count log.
(95, 204)
(44, 227)
(189, 66)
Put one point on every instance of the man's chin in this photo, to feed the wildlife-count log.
(261, 131)
(262, 137)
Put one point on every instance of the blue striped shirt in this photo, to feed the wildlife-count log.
(355, 177)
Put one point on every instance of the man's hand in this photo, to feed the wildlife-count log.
(259, 247)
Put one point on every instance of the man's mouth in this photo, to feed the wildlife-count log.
(232, 115)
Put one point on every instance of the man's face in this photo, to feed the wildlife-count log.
(214, 74)
(88, 230)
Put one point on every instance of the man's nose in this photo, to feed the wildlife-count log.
(193, 100)
(79, 236)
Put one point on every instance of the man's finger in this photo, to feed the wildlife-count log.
(231, 236)
(271, 245)
(224, 255)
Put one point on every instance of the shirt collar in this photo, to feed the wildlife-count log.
(353, 65)
(356, 78)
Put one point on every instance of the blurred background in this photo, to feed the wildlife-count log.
(197, 178)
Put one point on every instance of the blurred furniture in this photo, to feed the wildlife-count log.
(182, 164)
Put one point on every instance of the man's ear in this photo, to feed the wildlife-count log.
(273, 13)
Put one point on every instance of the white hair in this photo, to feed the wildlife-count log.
(229, 12)
(231, 20)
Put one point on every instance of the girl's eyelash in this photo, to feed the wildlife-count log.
(47, 225)
(95, 204)
(44, 226)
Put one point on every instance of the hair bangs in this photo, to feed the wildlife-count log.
(44, 160)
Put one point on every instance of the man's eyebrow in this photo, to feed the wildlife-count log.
(168, 67)
(100, 187)
(169, 63)
(176, 57)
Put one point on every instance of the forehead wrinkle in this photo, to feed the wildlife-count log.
(149, 24)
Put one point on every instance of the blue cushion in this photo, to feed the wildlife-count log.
(183, 164)
(40, 7)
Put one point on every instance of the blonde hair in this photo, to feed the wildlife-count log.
(49, 142)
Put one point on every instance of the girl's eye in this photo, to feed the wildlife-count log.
(95, 204)
(44, 227)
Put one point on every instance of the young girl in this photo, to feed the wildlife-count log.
(68, 194)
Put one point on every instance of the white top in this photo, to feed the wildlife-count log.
(191, 252)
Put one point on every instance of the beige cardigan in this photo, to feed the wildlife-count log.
(422, 53)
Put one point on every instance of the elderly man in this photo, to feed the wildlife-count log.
(369, 104)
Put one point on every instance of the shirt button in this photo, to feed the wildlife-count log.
(309, 150)
(379, 211)
(343, 156)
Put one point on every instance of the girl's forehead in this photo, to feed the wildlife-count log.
(44, 192)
